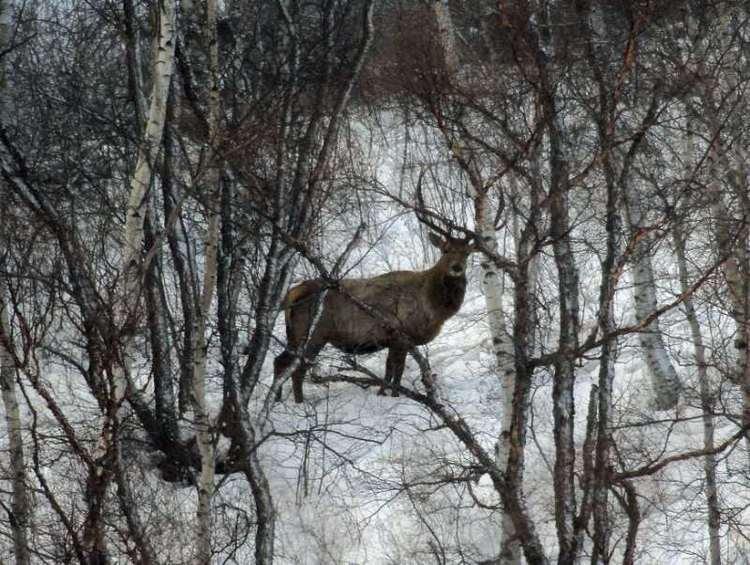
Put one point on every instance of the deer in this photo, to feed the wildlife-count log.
(396, 311)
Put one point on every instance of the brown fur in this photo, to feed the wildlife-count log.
(396, 310)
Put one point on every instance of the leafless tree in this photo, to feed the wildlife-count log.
(170, 169)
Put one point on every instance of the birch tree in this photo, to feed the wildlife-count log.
(488, 207)
(20, 509)
(701, 364)
(731, 235)
(568, 285)
(128, 299)
(204, 421)
(148, 254)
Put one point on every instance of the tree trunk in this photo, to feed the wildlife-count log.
(630, 504)
(601, 471)
(502, 344)
(202, 414)
(446, 34)
(563, 408)
(731, 242)
(203, 419)
(184, 263)
(665, 381)
(159, 337)
(601, 484)
(709, 461)
(130, 284)
(148, 149)
(128, 297)
(265, 534)
(20, 513)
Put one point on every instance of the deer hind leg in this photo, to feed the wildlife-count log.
(285, 360)
(311, 352)
(394, 368)
(280, 365)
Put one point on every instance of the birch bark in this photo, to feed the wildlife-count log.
(184, 265)
(511, 351)
(731, 243)
(148, 149)
(596, 473)
(664, 378)
(601, 479)
(129, 290)
(131, 277)
(159, 337)
(502, 345)
(709, 461)
(203, 419)
(20, 515)
(568, 288)
(606, 370)
(446, 34)
(492, 284)
(156, 306)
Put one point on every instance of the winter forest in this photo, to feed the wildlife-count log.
(559, 190)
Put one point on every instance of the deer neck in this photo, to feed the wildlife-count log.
(446, 292)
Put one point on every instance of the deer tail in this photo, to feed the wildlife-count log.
(296, 295)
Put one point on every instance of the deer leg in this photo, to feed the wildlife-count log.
(299, 373)
(388, 374)
(394, 368)
(297, 377)
(281, 364)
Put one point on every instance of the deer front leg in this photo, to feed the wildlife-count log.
(280, 365)
(394, 368)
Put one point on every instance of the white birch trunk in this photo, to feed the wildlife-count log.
(446, 33)
(148, 150)
(202, 413)
(709, 461)
(664, 378)
(732, 247)
(19, 521)
(203, 418)
(163, 67)
(502, 347)
(719, 166)
(128, 293)
(492, 284)
(20, 505)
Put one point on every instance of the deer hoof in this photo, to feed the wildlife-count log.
(381, 392)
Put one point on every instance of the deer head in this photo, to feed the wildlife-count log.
(455, 252)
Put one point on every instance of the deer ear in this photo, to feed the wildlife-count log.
(437, 241)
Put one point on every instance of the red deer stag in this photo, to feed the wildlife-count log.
(396, 310)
